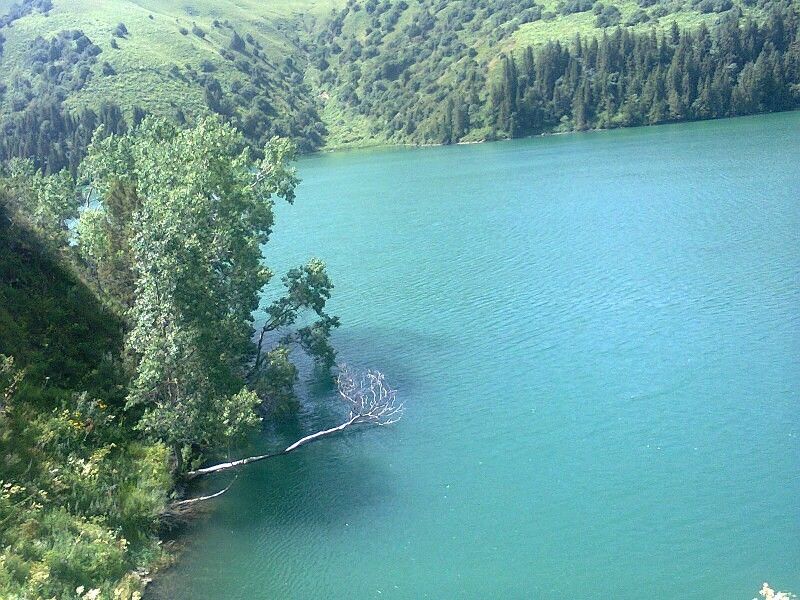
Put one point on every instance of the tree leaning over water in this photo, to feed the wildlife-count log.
(198, 213)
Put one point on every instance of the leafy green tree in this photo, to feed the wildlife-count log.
(105, 242)
(201, 210)
(48, 202)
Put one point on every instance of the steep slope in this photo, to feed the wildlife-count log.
(80, 495)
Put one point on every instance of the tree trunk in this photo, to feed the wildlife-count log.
(184, 503)
(178, 453)
(235, 464)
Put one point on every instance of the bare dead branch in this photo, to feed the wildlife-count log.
(183, 503)
(371, 400)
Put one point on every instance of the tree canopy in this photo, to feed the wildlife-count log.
(198, 210)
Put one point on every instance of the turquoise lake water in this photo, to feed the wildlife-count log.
(597, 338)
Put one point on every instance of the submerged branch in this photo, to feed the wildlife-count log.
(182, 503)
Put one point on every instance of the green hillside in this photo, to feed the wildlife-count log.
(154, 43)
(328, 73)
(442, 44)
(173, 59)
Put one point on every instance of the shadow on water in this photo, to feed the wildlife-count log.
(320, 486)
(316, 489)
(392, 351)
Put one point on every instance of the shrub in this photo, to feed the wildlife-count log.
(659, 11)
(237, 43)
(243, 66)
(575, 6)
(607, 16)
(716, 6)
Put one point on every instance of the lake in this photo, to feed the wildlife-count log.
(597, 338)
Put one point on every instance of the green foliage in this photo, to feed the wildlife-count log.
(79, 502)
(184, 215)
(277, 376)
(308, 288)
(10, 379)
(315, 340)
(47, 203)
(195, 248)
(626, 79)
(607, 15)
(105, 234)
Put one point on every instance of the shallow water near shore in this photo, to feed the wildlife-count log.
(597, 338)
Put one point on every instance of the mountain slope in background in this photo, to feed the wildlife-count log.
(388, 70)
(328, 73)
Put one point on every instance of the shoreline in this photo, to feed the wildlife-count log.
(389, 145)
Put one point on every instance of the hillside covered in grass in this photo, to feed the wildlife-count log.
(340, 73)
(68, 67)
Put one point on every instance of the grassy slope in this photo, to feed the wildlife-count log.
(50, 322)
(153, 45)
(565, 27)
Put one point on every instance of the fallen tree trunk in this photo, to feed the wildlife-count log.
(235, 464)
